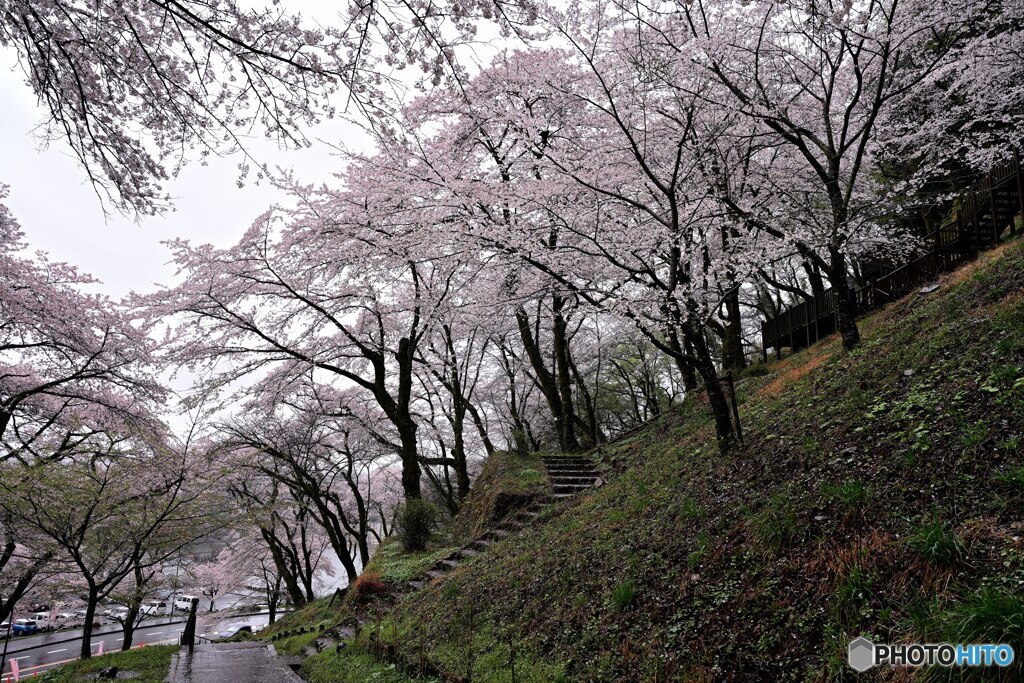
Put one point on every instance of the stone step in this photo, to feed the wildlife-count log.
(576, 462)
(448, 565)
(434, 573)
(482, 544)
(561, 496)
(498, 534)
(571, 470)
(570, 488)
(468, 553)
(588, 481)
(416, 584)
(573, 475)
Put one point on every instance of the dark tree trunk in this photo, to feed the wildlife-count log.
(134, 603)
(679, 352)
(562, 370)
(272, 599)
(405, 423)
(545, 380)
(90, 615)
(814, 277)
(720, 408)
(846, 306)
(286, 572)
(128, 628)
(732, 337)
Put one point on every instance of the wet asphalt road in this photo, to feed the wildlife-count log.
(44, 652)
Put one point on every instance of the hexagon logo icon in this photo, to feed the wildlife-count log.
(861, 654)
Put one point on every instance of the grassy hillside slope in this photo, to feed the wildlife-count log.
(879, 492)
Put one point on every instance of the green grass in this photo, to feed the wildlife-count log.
(351, 667)
(396, 566)
(623, 595)
(939, 545)
(151, 665)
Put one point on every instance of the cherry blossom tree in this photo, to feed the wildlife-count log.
(310, 465)
(73, 366)
(815, 82)
(112, 512)
(342, 289)
(195, 78)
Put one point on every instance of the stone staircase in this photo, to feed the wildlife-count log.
(569, 475)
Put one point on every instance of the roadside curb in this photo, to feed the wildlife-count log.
(107, 633)
(94, 634)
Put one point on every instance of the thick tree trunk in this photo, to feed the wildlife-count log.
(562, 371)
(545, 380)
(90, 615)
(814, 277)
(405, 423)
(287, 573)
(128, 628)
(846, 306)
(134, 604)
(732, 339)
(720, 409)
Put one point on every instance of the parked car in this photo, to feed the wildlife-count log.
(233, 630)
(24, 627)
(65, 617)
(154, 607)
(184, 602)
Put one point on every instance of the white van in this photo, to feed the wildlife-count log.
(184, 602)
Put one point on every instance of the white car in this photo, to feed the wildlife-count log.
(154, 607)
(117, 613)
(184, 602)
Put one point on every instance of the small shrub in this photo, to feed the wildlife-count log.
(973, 436)
(368, 584)
(991, 615)
(1012, 479)
(938, 545)
(775, 526)
(853, 596)
(623, 595)
(850, 495)
(414, 524)
(756, 369)
(696, 556)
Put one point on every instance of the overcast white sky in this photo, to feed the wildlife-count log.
(61, 214)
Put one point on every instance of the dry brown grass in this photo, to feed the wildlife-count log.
(796, 367)
(966, 271)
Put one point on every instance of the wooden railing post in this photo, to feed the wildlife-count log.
(1020, 191)
(188, 636)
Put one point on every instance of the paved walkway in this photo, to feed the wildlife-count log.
(247, 662)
